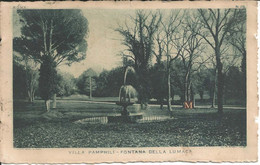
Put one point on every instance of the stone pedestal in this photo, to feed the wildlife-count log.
(125, 112)
(125, 115)
(124, 105)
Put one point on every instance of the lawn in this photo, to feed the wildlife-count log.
(33, 128)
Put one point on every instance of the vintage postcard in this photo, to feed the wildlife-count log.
(93, 82)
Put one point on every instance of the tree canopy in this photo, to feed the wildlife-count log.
(60, 34)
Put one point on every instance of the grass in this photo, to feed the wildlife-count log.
(33, 128)
(85, 98)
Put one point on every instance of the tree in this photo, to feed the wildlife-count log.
(217, 25)
(238, 41)
(174, 44)
(66, 84)
(158, 81)
(90, 86)
(209, 83)
(102, 84)
(115, 79)
(189, 55)
(234, 85)
(86, 82)
(59, 34)
(31, 76)
(139, 40)
(200, 82)
(177, 77)
(19, 81)
(158, 71)
(47, 80)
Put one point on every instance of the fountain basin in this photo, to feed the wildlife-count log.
(124, 104)
(130, 118)
(133, 118)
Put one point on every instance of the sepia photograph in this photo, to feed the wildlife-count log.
(130, 78)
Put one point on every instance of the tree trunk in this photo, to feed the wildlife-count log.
(161, 105)
(220, 92)
(194, 102)
(224, 95)
(192, 98)
(33, 95)
(169, 93)
(169, 104)
(201, 95)
(54, 101)
(213, 97)
(29, 96)
(142, 105)
(90, 88)
(187, 92)
(31, 99)
(186, 89)
(30, 93)
(47, 105)
(220, 82)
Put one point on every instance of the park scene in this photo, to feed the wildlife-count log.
(103, 78)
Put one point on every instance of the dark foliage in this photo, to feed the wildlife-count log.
(57, 33)
(83, 81)
(235, 86)
(158, 82)
(48, 78)
(19, 81)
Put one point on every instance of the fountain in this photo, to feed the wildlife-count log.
(126, 93)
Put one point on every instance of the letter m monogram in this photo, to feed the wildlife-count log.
(188, 104)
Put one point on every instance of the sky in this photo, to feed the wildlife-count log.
(104, 43)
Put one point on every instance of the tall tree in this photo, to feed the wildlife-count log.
(218, 24)
(158, 81)
(174, 44)
(90, 86)
(86, 82)
(158, 71)
(138, 37)
(47, 80)
(59, 34)
(238, 40)
(189, 55)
